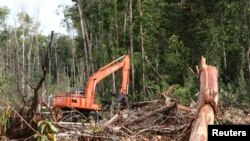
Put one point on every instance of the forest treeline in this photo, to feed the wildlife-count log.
(165, 40)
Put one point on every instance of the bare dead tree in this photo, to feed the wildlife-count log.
(37, 99)
(24, 124)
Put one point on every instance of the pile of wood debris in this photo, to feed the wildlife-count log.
(149, 120)
(146, 121)
(157, 120)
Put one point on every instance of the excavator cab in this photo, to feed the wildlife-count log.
(80, 91)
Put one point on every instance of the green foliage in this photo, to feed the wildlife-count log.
(236, 99)
(189, 91)
(152, 90)
(4, 11)
(183, 94)
(175, 60)
(8, 90)
(174, 40)
(4, 119)
(46, 131)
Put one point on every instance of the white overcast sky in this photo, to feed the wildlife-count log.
(46, 11)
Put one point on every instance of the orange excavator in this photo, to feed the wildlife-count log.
(84, 102)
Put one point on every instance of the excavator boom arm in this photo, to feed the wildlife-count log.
(124, 64)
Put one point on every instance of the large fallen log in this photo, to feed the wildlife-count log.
(208, 99)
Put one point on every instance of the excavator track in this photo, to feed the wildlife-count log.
(75, 115)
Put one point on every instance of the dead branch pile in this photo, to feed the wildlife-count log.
(152, 121)
(156, 121)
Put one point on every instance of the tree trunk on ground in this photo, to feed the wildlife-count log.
(200, 126)
(208, 99)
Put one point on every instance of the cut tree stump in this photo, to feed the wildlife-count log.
(208, 99)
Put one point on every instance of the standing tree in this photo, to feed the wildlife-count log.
(131, 42)
(142, 49)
